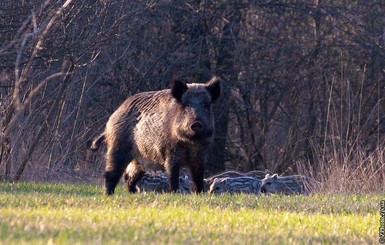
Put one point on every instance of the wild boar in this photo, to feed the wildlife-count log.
(236, 185)
(292, 184)
(171, 129)
(158, 182)
(234, 174)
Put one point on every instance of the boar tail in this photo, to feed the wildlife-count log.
(97, 142)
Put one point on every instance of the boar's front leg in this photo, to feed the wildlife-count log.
(197, 170)
(172, 169)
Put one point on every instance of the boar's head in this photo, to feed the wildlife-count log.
(193, 118)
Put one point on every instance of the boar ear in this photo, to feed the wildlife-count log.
(178, 88)
(214, 88)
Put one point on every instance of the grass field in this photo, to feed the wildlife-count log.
(36, 213)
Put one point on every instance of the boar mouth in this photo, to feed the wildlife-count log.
(202, 136)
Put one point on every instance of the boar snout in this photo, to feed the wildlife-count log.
(200, 130)
(197, 127)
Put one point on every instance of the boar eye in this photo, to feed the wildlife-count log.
(186, 105)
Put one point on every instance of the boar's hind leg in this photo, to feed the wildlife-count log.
(133, 174)
(117, 162)
(197, 173)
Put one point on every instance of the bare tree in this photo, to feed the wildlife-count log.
(303, 80)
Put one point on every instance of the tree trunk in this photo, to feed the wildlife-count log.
(227, 71)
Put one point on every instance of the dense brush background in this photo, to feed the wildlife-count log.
(303, 82)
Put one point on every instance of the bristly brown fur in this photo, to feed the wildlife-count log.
(170, 129)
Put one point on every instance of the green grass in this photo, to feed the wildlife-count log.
(36, 213)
